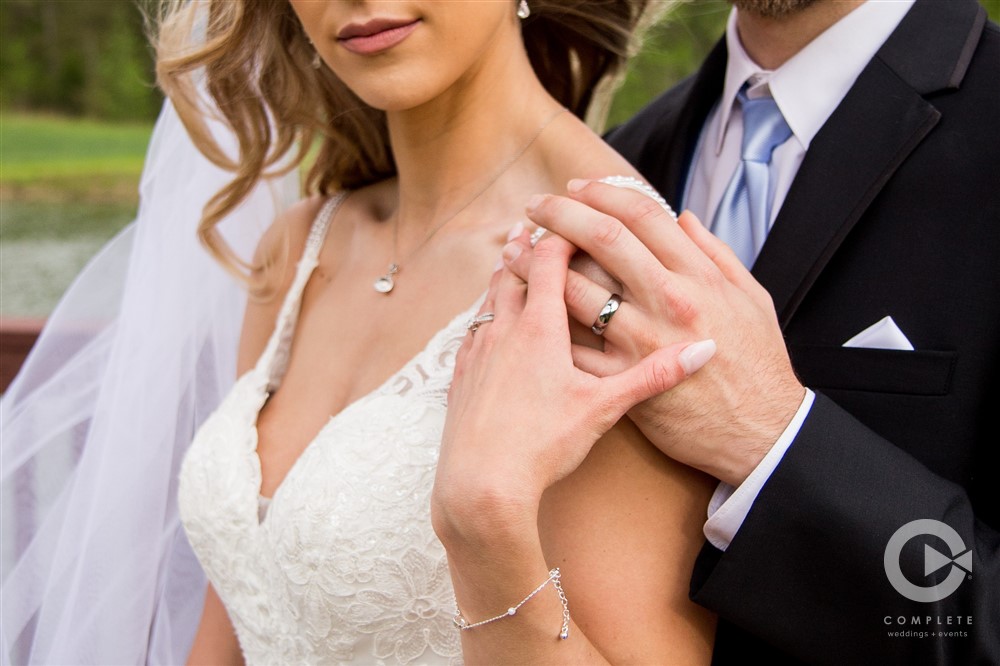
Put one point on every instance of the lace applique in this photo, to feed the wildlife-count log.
(345, 565)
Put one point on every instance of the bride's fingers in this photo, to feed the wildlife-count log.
(659, 372)
(517, 256)
(510, 295)
(547, 281)
(489, 303)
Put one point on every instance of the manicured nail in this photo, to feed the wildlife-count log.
(534, 202)
(694, 356)
(576, 185)
(511, 251)
(497, 266)
(515, 231)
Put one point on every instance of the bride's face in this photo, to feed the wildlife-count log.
(399, 54)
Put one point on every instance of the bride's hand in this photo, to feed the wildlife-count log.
(521, 416)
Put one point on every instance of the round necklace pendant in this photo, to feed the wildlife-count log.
(384, 284)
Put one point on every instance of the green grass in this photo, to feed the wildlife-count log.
(43, 157)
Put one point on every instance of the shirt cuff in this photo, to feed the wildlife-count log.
(729, 506)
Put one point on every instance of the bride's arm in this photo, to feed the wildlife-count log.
(624, 529)
(215, 642)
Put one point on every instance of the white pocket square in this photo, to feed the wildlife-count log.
(883, 334)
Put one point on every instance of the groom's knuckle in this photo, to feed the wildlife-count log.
(683, 308)
(606, 231)
(710, 275)
(644, 211)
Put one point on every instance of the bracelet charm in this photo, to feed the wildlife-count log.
(553, 578)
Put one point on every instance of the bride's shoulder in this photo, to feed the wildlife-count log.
(273, 269)
(285, 238)
(577, 151)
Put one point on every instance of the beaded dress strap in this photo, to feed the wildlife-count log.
(274, 360)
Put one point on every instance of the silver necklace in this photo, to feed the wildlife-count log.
(385, 283)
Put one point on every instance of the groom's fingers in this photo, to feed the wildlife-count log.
(646, 219)
(720, 253)
(604, 238)
(595, 361)
(584, 298)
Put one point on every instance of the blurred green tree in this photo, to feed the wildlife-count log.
(81, 58)
(91, 58)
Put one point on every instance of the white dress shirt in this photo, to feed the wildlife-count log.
(807, 88)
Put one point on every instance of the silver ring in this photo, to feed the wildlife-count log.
(473, 324)
(536, 236)
(607, 312)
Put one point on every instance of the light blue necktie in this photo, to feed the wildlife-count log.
(741, 220)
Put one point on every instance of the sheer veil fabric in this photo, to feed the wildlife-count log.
(95, 566)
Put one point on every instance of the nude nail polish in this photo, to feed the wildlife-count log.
(515, 231)
(696, 355)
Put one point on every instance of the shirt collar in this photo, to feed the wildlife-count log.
(810, 85)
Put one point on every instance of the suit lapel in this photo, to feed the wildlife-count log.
(881, 121)
(870, 134)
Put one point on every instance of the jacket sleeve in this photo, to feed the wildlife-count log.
(807, 571)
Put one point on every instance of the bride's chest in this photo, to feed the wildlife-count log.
(345, 564)
(369, 471)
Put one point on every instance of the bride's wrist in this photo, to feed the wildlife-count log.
(476, 516)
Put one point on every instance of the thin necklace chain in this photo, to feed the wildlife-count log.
(385, 283)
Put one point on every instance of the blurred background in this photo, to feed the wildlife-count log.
(77, 105)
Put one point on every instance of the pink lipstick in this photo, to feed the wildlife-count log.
(376, 35)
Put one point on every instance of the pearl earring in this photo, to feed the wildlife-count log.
(317, 62)
(523, 10)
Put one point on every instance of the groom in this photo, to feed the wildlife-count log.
(876, 234)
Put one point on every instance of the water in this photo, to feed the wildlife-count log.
(45, 244)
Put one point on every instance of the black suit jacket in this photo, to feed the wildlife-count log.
(894, 211)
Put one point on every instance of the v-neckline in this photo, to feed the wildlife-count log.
(264, 394)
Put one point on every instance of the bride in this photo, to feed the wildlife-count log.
(307, 494)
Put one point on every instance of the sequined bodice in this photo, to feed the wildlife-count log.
(344, 566)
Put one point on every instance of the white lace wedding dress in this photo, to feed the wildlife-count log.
(343, 565)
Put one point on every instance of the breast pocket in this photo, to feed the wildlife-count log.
(877, 370)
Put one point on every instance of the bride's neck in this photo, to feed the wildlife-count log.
(448, 150)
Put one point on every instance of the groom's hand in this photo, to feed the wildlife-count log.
(679, 283)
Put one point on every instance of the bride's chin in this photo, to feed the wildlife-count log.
(392, 95)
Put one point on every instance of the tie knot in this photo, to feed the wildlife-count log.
(764, 128)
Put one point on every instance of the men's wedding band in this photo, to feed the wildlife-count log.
(607, 312)
(477, 321)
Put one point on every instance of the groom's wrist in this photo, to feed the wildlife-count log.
(736, 460)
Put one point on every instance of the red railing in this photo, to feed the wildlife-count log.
(17, 336)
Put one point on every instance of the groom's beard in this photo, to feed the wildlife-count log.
(772, 8)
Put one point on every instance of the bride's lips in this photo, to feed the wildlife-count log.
(375, 35)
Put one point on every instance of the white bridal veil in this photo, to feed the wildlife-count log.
(95, 565)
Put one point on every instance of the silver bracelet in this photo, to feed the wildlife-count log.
(553, 578)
